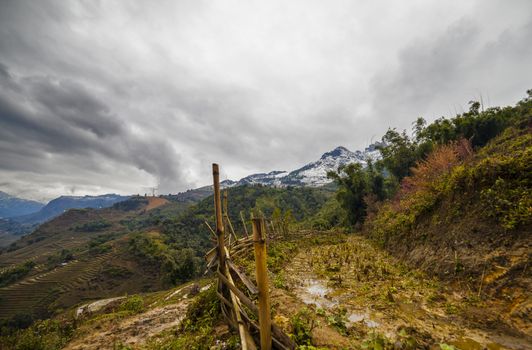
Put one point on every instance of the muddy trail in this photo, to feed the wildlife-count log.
(104, 329)
(359, 296)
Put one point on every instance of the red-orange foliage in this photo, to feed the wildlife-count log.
(438, 163)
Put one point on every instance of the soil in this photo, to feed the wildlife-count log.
(164, 314)
(358, 292)
(155, 202)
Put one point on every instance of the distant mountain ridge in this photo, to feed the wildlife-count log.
(313, 174)
(57, 206)
(11, 206)
(14, 227)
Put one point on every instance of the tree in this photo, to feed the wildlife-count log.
(375, 181)
(399, 153)
(352, 188)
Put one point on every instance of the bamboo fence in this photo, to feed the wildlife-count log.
(237, 305)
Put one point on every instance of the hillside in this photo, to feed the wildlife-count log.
(329, 291)
(141, 244)
(82, 254)
(471, 225)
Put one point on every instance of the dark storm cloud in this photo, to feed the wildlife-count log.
(60, 116)
(39, 115)
(115, 96)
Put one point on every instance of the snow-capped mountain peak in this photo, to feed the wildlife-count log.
(339, 151)
(314, 173)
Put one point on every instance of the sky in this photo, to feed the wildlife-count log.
(119, 96)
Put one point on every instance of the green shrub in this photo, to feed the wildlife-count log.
(134, 304)
(42, 335)
(11, 275)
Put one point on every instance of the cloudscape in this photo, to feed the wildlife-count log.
(114, 96)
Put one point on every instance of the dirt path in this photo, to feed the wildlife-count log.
(133, 331)
(364, 294)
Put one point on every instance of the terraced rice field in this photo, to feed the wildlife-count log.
(40, 250)
(36, 293)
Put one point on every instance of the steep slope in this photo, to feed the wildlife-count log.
(12, 206)
(125, 322)
(141, 244)
(470, 224)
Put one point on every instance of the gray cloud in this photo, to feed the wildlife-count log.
(62, 118)
(100, 96)
(438, 75)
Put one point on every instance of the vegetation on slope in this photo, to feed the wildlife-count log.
(183, 240)
(361, 189)
(457, 204)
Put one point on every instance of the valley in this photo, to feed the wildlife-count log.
(77, 258)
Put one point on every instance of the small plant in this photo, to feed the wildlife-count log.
(121, 346)
(377, 341)
(451, 309)
(338, 320)
(279, 280)
(134, 304)
(302, 325)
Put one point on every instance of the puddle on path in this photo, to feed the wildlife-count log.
(315, 291)
(362, 317)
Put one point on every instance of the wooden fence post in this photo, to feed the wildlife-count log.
(220, 232)
(262, 283)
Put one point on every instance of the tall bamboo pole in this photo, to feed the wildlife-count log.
(262, 284)
(220, 232)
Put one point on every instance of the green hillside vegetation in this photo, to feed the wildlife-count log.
(469, 175)
(97, 253)
(13, 274)
(361, 189)
(178, 250)
(459, 207)
(82, 254)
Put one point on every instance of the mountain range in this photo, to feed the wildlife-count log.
(12, 206)
(313, 174)
(12, 227)
(20, 216)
